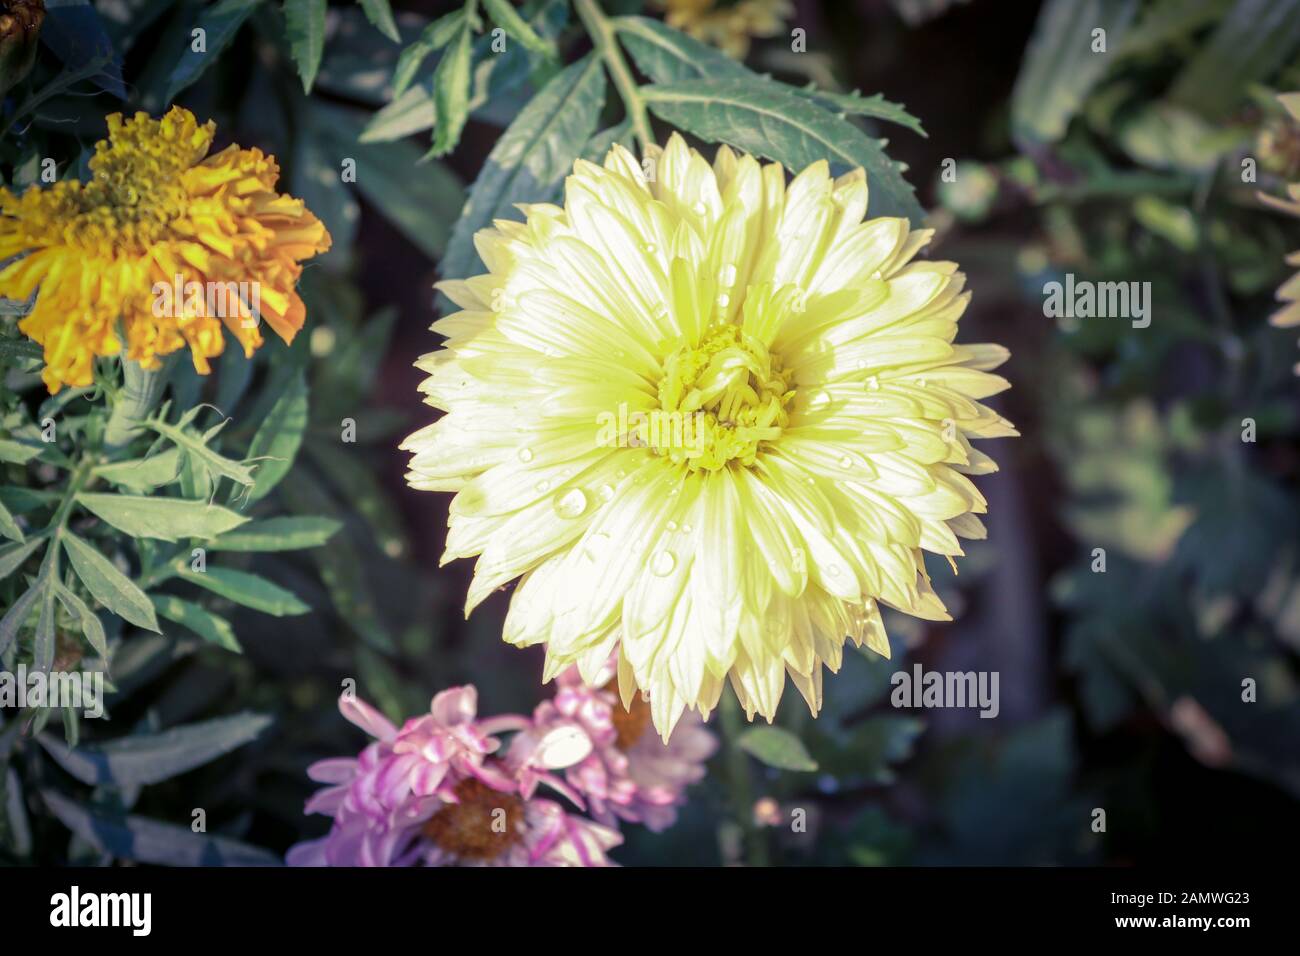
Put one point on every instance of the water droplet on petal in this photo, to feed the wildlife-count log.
(724, 300)
(543, 485)
(671, 526)
(873, 383)
(687, 529)
(606, 492)
(572, 504)
(833, 570)
(727, 277)
(699, 208)
(846, 461)
(650, 248)
(525, 455)
(664, 563)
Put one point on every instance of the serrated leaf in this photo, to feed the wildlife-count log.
(143, 474)
(167, 519)
(507, 18)
(150, 841)
(17, 615)
(670, 56)
(277, 534)
(1060, 68)
(451, 92)
(276, 443)
(220, 23)
(139, 761)
(92, 628)
(778, 124)
(207, 463)
(531, 158)
(305, 25)
(211, 627)
(435, 36)
(109, 586)
(855, 104)
(249, 590)
(777, 748)
(9, 528)
(12, 556)
(380, 13)
(497, 78)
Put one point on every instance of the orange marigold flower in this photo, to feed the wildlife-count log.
(162, 247)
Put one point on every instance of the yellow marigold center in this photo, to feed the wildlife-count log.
(483, 825)
(136, 189)
(718, 402)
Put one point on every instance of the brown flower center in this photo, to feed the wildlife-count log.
(484, 824)
(630, 724)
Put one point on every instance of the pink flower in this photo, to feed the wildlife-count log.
(432, 794)
(611, 754)
(379, 799)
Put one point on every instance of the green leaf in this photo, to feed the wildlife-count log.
(17, 614)
(248, 590)
(451, 92)
(305, 24)
(1252, 41)
(143, 474)
(670, 56)
(92, 628)
(139, 761)
(277, 534)
(20, 349)
(531, 158)
(855, 104)
(276, 443)
(435, 36)
(168, 519)
(1060, 68)
(12, 556)
(776, 748)
(220, 23)
(380, 14)
(18, 453)
(498, 78)
(150, 841)
(770, 121)
(207, 461)
(209, 626)
(8, 527)
(507, 18)
(109, 586)
(420, 199)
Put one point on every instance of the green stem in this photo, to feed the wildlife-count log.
(739, 781)
(602, 37)
(141, 389)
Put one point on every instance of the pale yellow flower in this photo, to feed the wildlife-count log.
(157, 215)
(712, 420)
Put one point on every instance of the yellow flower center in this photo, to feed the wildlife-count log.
(483, 825)
(718, 402)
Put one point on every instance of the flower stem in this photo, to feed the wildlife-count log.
(739, 782)
(602, 36)
(141, 389)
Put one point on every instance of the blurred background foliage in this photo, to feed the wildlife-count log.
(1121, 689)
